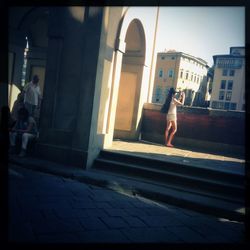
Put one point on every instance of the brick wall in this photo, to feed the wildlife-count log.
(197, 127)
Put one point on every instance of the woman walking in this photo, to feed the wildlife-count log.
(171, 110)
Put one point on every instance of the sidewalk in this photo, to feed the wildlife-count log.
(182, 156)
(150, 190)
(52, 209)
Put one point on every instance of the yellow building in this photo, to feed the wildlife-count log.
(183, 72)
(228, 90)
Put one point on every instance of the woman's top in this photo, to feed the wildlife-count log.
(172, 107)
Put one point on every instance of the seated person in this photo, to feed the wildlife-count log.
(18, 104)
(26, 128)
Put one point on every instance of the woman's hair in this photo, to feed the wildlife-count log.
(168, 100)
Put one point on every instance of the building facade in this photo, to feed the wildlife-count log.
(183, 72)
(228, 91)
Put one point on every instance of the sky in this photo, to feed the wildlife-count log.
(200, 31)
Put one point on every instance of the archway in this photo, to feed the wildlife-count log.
(27, 26)
(127, 125)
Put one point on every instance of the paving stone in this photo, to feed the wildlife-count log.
(94, 212)
(48, 214)
(21, 232)
(136, 211)
(103, 204)
(57, 226)
(142, 204)
(82, 203)
(230, 232)
(134, 222)
(92, 223)
(59, 199)
(102, 236)
(116, 212)
(115, 222)
(186, 234)
(214, 236)
(69, 212)
(58, 238)
(147, 235)
(159, 221)
(157, 211)
(121, 204)
(98, 197)
(72, 211)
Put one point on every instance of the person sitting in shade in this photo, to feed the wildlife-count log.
(18, 104)
(25, 128)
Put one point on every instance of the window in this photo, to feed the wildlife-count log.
(217, 105)
(181, 75)
(172, 57)
(192, 77)
(226, 105)
(224, 72)
(170, 73)
(186, 76)
(214, 104)
(220, 105)
(198, 79)
(228, 96)
(221, 95)
(231, 72)
(160, 73)
(233, 106)
(230, 84)
(223, 84)
(158, 93)
(243, 107)
(163, 57)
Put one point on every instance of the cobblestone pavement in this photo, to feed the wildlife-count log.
(183, 156)
(51, 209)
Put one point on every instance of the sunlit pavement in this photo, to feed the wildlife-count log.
(181, 156)
(46, 208)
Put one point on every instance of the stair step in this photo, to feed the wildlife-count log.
(226, 190)
(181, 198)
(199, 171)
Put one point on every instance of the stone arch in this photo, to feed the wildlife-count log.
(126, 120)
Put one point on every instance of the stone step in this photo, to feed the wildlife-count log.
(137, 186)
(176, 167)
(154, 191)
(203, 186)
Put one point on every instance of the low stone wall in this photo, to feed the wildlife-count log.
(198, 128)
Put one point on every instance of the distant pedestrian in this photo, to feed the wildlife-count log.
(171, 110)
(25, 128)
(32, 95)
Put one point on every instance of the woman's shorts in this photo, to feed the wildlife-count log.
(171, 117)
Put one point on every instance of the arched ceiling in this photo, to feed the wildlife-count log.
(33, 21)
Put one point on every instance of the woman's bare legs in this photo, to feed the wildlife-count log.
(168, 127)
(171, 136)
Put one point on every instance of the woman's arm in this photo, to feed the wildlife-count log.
(181, 99)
